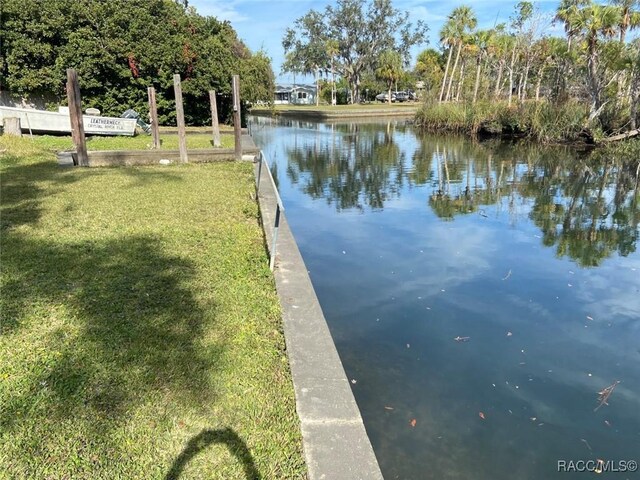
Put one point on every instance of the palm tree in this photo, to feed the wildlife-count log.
(463, 19)
(592, 22)
(389, 69)
(333, 50)
(630, 19)
(567, 13)
(448, 39)
(482, 41)
(501, 44)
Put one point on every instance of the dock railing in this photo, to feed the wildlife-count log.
(262, 160)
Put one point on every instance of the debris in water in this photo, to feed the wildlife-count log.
(462, 339)
(413, 422)
(388, 408)
(533, 419)
(589, 318)
(569, 285)
(408, 346)
(606, 422)
(605, 393)
(354, 381)
(587, 444)
(481, 415)
(509, 334)
(508, 275)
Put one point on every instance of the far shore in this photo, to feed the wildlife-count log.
(331, 112)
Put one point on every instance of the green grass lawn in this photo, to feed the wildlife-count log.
(139, 142)
(140, 332)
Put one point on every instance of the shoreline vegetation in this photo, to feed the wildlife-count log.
(332, 112)
(539, 121)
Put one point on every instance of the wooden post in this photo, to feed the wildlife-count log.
(236, 117)
(153, 117)
(182, 140)
(75, 115)
(214, 118)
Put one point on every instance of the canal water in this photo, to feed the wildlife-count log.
(484, 297)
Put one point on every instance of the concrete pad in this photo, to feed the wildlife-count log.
(339, 451)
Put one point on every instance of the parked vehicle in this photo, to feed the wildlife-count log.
(384, 97)
(402, 96)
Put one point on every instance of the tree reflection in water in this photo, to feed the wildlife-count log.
(585, 206)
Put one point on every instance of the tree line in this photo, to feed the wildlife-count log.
(518, 61)
(121, 47)
(593, 65)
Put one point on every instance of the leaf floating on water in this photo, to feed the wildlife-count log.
(481, 415)
(462, 339)
(413, 422)
(605, 393)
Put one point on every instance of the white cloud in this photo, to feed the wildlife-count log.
(222, 10)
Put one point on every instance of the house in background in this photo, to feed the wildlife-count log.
(295, 94)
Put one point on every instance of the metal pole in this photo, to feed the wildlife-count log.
(261, 155)
(272, 260)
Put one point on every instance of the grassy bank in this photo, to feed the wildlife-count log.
(540, 121)
(169, 141)
(332, 112)
(140, 328)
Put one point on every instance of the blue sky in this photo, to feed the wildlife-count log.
(262, 23)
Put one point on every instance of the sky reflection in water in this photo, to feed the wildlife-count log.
(414, 240)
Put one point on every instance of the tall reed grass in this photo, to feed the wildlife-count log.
(541, 121)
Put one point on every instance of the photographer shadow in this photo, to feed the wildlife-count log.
(237, 447)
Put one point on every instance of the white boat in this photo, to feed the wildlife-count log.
(42, 121)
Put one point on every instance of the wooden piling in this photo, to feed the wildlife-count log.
(153, 117)
(75, 116)
(182, 140)
(237, 127)
(214, 118)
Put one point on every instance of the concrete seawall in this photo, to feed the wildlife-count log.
(336, 444)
